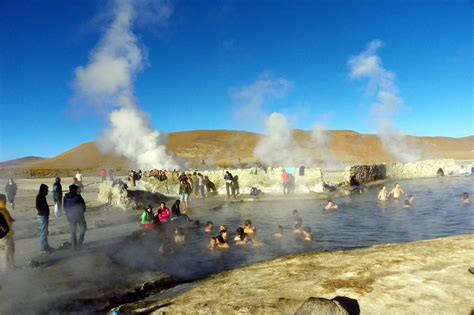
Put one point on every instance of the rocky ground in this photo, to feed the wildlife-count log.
(426, 277)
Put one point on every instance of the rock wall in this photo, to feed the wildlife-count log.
(365, 173)
(423, 169)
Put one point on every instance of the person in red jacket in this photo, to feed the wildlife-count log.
(163, 214)
(286, 180)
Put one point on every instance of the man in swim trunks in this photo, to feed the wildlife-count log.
(397, 191)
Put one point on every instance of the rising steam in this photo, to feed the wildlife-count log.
(368, 65)
(107, 82)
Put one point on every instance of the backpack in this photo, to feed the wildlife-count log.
(4, 228)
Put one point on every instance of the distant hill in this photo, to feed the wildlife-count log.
(21, 162)
(226, 148)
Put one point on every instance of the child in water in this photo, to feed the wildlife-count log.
(209, 227)
(307, 234)
(179, 235)
(249, 228)
(279, 232)
(147, 219)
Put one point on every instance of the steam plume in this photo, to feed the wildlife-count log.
(368, 65)
(107, 82)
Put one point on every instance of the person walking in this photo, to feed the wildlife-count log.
(11, 189)
(75, 208)
(43, 218)
(58, 196)
(7, 233)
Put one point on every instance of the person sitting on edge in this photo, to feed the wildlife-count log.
(298, 229)
(147, 218)
(407, 204)
(383, 195)
(209, 227)
(465, 198)
(331, 205)
(175, 208)
(223, 232)
(249, 228)
(163, 213)
(179, 235)
(397, 191)
(279, 232)
(307, 234)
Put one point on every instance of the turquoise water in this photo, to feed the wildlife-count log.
(361, 221)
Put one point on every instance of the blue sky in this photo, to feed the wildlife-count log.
(208, 49)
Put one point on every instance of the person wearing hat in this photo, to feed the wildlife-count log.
(6, 226)
(75, 208)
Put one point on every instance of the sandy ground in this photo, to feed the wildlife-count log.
(425, 277)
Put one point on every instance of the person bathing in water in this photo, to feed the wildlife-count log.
(465, 198)
(279, 232)
(223, 232)
(397, 191)
(331, 205)
(298, 229)
(218, 242)
(179, 235)
(209, 227)
(307, 234)
(383, 194)
(240, 237)
(407, 204)
(249, 229)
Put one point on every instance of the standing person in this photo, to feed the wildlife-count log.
(397, 191)
(175, 209)
(184, 192)
(195, 183)
(103, 174)
(75, 208)
(201, 184)
(132, 178)
(11, 189)
(235, 185)
(383, 194)
(228, 178)
(79, 178)
(43, 218)
(7, 233)
(285, 179)
(58, 195)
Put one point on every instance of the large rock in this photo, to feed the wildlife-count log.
(362, 174)
(320, 306)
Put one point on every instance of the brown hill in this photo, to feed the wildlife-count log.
(20, 162)
(227, 147)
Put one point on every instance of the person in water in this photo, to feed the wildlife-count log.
(279, 232)
(397, 191)
(331, 205)
(465, 198)
(222, 242)
(383, 195)
(298, 229)
(179, 235)
(241, 237)
(411, 199)
(249, 228)
(147, 218)
(209, 227)
(307, 234)
(296, 215)
(163, 214)
(407, 204)
(223, 232)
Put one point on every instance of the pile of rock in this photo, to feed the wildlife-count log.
(115, 195)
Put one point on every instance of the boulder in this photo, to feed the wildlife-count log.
(320, 306)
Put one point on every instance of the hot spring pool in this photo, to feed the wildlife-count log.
(361, 221)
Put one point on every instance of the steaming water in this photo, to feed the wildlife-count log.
(361, 221)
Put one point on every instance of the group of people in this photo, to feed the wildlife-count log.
(396, 193)
(232, 186)
(151, 220)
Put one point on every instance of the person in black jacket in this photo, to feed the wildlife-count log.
(43, 218)
(75, 208)
(58, 193)
(11, 189)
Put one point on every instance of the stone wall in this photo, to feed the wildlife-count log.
(423, 169)
(365, 173)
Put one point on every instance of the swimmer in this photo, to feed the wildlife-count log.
(213, 242)
(383, 195)
(307, 234)
(298, 229)
(465, 198)
(279, 232)
(249, 228)
(331, 205)
(241, 237)
(296, 215)
(397, 191)
(209, 227)
(407, 204)
(179, 235)
(223, 232)
(411, 199)
(221, 242)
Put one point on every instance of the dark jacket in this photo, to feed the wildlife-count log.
(74, 206)
(175, 211)
(41, 203)
(57, 192)
(11, 189)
